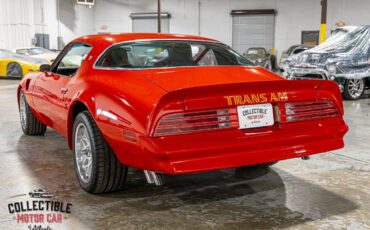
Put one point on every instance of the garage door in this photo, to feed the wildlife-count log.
(148, 22)
(253, 30)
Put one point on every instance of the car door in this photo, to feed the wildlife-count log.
(51, 88)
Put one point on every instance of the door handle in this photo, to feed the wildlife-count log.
(63, 90)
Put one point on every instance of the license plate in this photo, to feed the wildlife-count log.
(254, 116)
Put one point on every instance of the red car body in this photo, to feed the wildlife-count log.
(128, 104)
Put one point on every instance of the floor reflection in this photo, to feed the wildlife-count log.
(234, 197)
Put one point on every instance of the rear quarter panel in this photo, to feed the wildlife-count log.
(119, 101)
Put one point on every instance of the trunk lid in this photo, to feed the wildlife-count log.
(216, 87)
(192, 94)
(233, 95)
(172, 79)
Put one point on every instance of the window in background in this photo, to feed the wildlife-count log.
(310, 37)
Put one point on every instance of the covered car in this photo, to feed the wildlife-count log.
(174, 104)
(259, 56)
(15, 65)
(344, 58)
(293, 50)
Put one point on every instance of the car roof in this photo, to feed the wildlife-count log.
(111, 38)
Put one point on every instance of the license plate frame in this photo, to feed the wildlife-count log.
(255, 116)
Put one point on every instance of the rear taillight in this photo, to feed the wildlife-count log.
(300, 111)
(189, 122)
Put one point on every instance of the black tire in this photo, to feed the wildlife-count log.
(14, 70)
(107, 173)
(348, 92)
(30, 124)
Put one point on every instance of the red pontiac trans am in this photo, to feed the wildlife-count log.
(174, 104)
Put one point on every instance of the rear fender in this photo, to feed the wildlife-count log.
(70, 119)
(111, 113)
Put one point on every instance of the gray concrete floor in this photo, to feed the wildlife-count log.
(330, 191)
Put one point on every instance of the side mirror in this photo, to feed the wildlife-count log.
(45, 68)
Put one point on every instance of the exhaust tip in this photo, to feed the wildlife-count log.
(154, 178)
(305, 158)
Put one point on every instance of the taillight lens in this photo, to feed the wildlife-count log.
(200, 121)
(300, 111)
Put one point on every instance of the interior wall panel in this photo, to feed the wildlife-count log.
(21, 19)
(16, 23)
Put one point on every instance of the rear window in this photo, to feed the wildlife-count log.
(156, 54)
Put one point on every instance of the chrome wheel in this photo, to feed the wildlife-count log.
(83, 153)
(355, 87)
(22, 110)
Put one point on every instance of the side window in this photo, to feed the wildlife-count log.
(22, 52)
(72, 60)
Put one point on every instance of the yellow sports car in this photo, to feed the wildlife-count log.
(16, 66)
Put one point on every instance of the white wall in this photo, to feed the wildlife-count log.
(292, 17)
(209, 18)
(352, 12)
(16, 23)
(21, 19)
(214, 20)
(75, 20)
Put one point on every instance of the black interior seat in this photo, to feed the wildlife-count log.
(180, 55)
(116, 58)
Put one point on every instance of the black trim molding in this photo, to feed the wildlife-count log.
(253, 12)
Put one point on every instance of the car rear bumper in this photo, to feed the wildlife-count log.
(192, 153)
